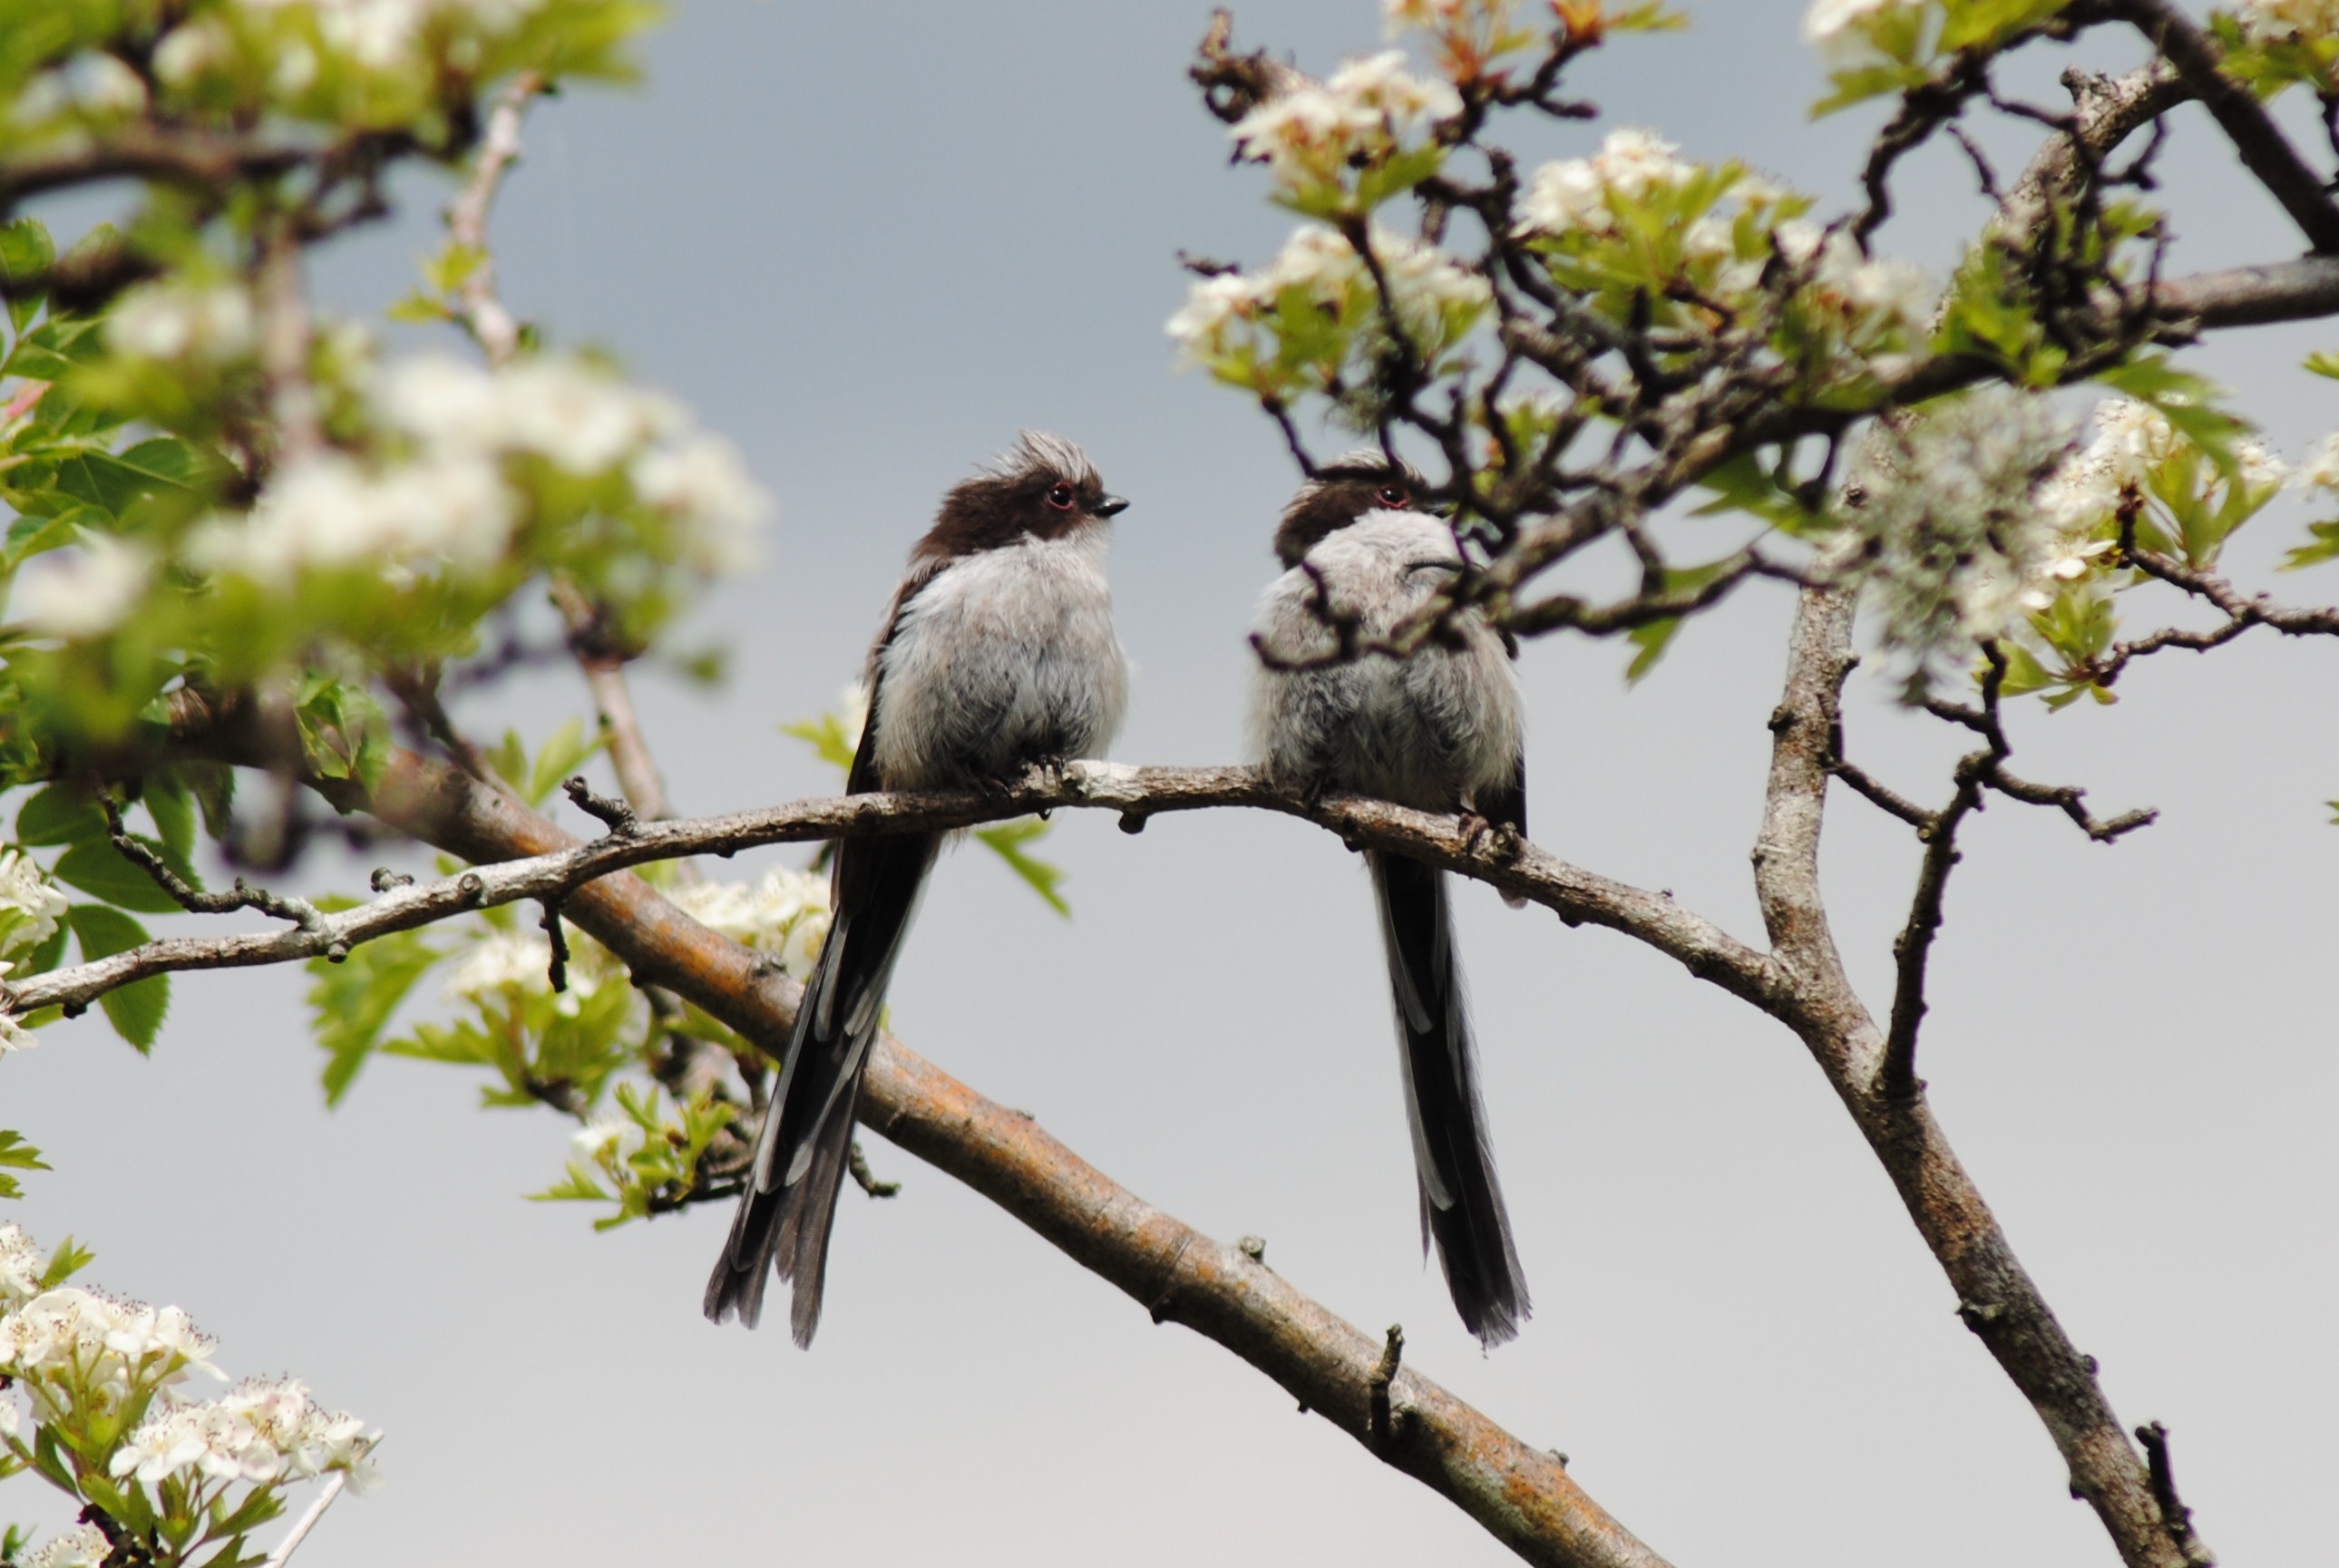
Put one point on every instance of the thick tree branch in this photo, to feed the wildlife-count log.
(1996, 1298)
(2264, 150)
(1518, 1491)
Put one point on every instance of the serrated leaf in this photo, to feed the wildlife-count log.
(174, 811)
(580, 1185)
(565, 751)
(26, 251)
(66, 1261)
(350, 1002)
(16, 1154)
(2325, 547)
(1007, 841)
(137, 1010)
(60, 813)
(104, 871)
(2323, 362)
(1650, 641)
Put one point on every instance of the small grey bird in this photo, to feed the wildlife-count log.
(997, 653)
(1441, 731)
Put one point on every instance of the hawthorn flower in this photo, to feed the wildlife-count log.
(704, 482)
(1310, 134)
(89, 86)
(30, 904)
(84, 590)
(211, 323)
(1844, 31)
(22, 1265)
(1435, 297)
(1955, 546)
(1574, 192)
(2288, 21)
(784, 914)
(606, 1138)
(83, 1546)
(262, 1432)
(503, 962)
(14, 1036)
(325, 511)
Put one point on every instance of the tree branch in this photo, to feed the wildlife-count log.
(2264, 150)
(558, 873)
(1996, 1298)
(1520, 1493)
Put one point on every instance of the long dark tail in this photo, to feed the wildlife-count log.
(1461, 1202)
(806, 1143)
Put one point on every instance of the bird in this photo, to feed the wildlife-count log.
(996, 654)
(1442, 730)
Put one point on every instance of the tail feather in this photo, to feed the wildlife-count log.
(1461, 1201)
(802, 1155)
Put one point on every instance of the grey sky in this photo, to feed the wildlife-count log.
(871, 241)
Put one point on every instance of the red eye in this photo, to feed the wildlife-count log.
(1061, 497)
(1394, 497)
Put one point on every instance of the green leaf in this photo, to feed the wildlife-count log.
(2323, 362)
(137, 1010)
(170, 461)
(26, 251)
(100, 869)
(174, 811)
(1651, 640)
(2187, 401)
(60, 813)
(1008, 839)
(16, 1154)
(65, 1262)
(2326, 547)
(829, 739)
(350, 1002)
(580, 1186)
(564, 752)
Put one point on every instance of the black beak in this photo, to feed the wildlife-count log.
(1111, 507)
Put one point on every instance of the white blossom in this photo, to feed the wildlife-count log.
(30, 904)
(576, 416)
(704, 483)
(388, 34)
(1956, 548)
(325, 511)
(610, 1136)
(90, 86)
(262, 1431)
(1574, 192)
(1430, 16)
(84, 589)
(2323, 473)
(1843, 31)
(22, 1264)
(2305, 21)
(1308, 134)
(785, 914)
(1427, 287)
(209, 322)
(13, 1035)
(83, 1546)
(503, 961)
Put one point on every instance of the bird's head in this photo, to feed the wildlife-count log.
(1044, 487)
(1342, 492)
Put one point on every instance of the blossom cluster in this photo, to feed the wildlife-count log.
(179, 320)
(83, 1546)
(260, 1432)
(2289, 21)
(87, 1365)
(1318, 298)
(785, 914)
(1850, 33)
(1953, 547)
(30, 908)
(2135, 446)
(452, 503)
(1636, 223)
(1313, 134)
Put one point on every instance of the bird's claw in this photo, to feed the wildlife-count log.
(1499, 840)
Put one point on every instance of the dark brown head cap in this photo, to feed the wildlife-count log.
(1045, 485)
(1342, 492)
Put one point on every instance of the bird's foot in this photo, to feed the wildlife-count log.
(1496, 840)
(1045, 772)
